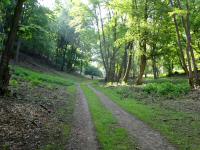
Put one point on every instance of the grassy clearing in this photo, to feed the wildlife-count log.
(109, 134)
(180, 128)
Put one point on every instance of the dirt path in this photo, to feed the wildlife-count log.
(83, 134)
(147, 138)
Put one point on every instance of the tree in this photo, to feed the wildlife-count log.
(93, 71)
(7, 52)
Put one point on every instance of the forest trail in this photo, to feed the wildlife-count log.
(147, 138)
(83, 134)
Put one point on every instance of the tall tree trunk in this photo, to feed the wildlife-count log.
(128, 68)
(143, 59)
(114, 52)
(100, 45)
(107, 53)
(81, 71)
(143, 62)
(189, 45)
(124, 63)
(170, 68)
(18, 51)
(63, 60)
(7, 53)
(182, 58)
(153, 59)
(154, 68)
(189, 50)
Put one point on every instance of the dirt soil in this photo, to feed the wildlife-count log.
(83, 135)
(29, 119)
(147, 138)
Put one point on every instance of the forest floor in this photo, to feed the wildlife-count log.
(49, 110)
(34, 117)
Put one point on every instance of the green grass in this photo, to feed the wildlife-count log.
(62, 112)
(39, 78)
(180, 128)
(109, 134)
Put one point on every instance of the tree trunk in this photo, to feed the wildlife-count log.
(189, 45)
(114, 52)
(154, 68)
(107, 53)
(81, 71)
(7, 53)
(18, 51)
(153, 59)
(63, 61)
(189, 50)
(170, 68)
(182, 58)
(128, 67)
(143, 59)
(123, 64)
(125, 78)
(100, 46)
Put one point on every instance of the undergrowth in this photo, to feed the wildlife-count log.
(39, 78)
(167, 88)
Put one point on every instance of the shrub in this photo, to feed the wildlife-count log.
(167, 88)
(150, 88)
(13, 83)
(36, 82)
(125, 92)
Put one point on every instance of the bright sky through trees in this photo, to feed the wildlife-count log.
(47, 3)
(51, 3)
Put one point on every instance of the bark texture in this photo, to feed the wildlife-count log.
(7, 52)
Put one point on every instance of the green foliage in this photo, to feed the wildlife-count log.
(6, 147)
(40, 78)
(93, 71)
(37, 31)
(14, 83)
(167, 88)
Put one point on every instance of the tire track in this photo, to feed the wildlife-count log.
(83, 136)
(147, 138)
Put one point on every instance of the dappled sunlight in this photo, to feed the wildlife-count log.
(100, 74)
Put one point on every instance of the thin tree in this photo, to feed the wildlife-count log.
(181, 52)
(143, 58)
(7, 52)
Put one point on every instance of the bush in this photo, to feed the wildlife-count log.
(167, 88)
(13, 83)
